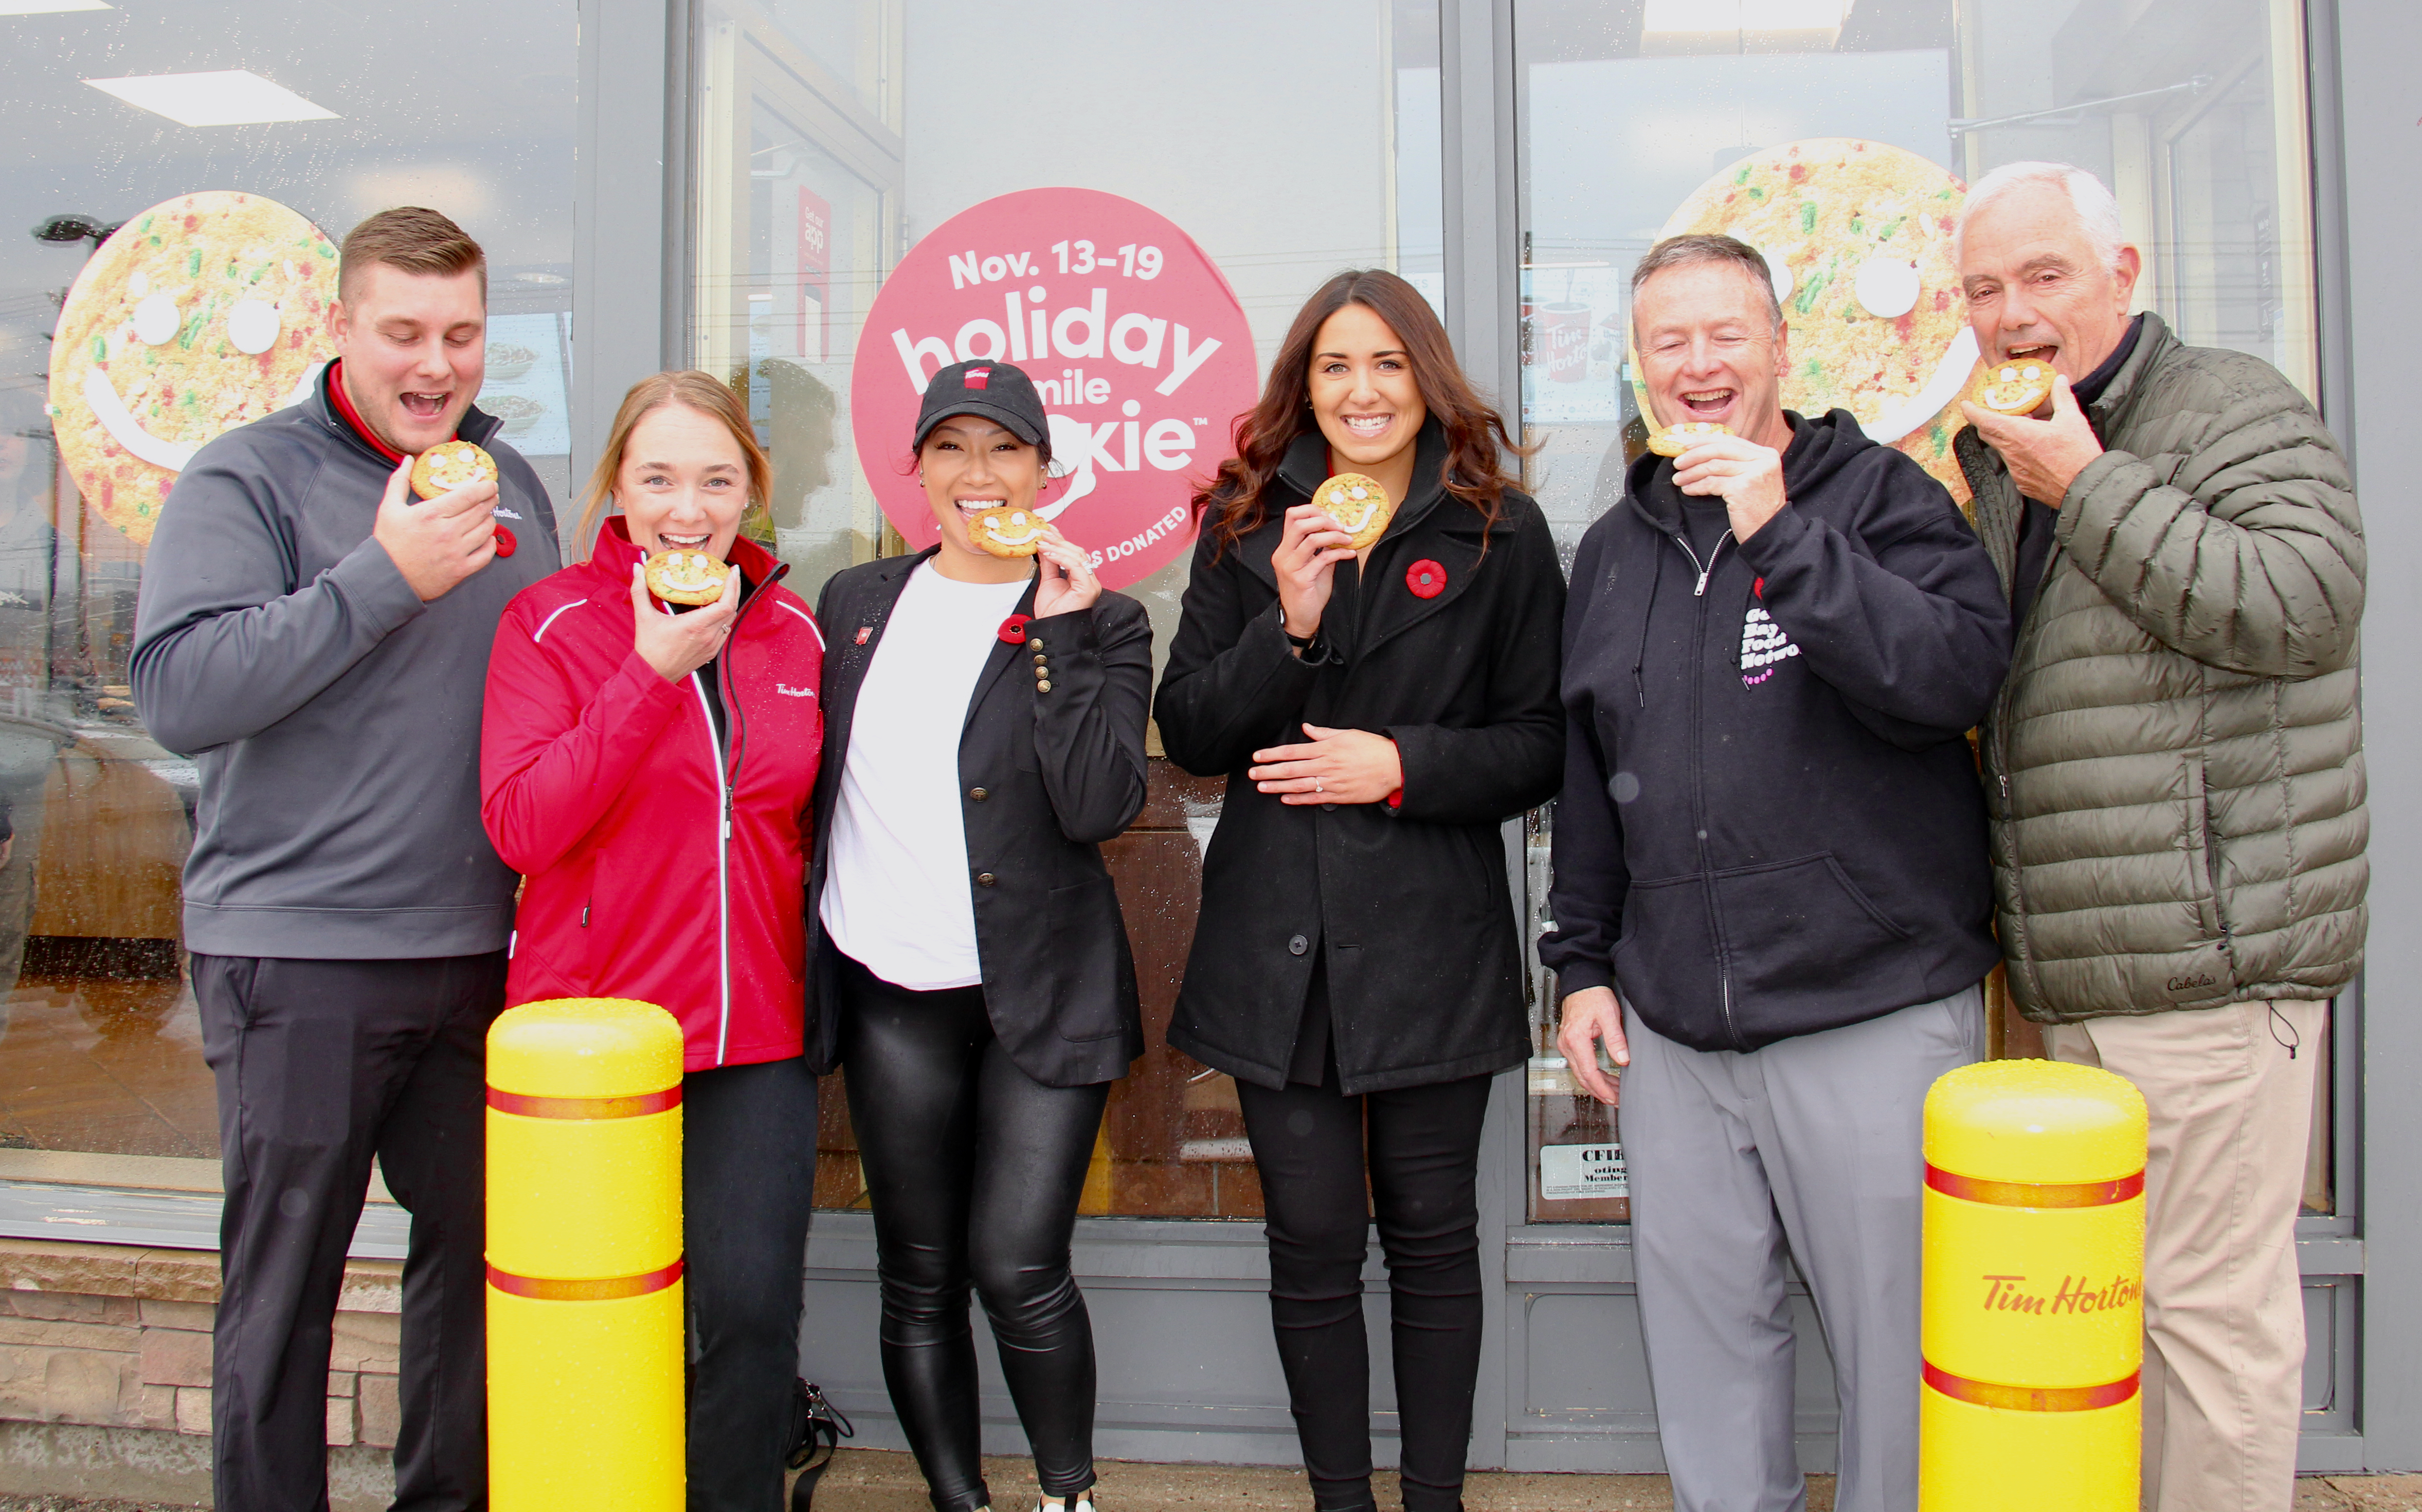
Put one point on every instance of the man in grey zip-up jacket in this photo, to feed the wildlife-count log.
(318, 639)
(2175, 776)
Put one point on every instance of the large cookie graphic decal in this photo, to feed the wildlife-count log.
(1857, 238)
(202, 314)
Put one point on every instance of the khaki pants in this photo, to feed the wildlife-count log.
(2223, 1306)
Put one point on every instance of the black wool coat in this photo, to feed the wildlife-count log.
(1044, 778)
(1407, 907)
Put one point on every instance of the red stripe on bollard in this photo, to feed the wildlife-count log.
(2031, 1399)
(604, 1289)
(2032, 1193)
(637, 1107)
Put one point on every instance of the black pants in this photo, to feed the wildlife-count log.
(1423, 1157)
(748, 1183)
(975, 1170)
(320, 1066)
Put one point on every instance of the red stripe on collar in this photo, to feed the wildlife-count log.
(353, 417)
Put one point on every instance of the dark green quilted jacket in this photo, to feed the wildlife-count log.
(2175, 767)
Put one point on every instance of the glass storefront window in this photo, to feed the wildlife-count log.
(98, 1030)
(830, 134)
(2195, 114)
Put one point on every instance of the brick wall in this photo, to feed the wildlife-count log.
(118, 1337)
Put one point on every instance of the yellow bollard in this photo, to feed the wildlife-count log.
(2034, 1290)
(585, 1384)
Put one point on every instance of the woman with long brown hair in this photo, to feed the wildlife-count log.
(647, 767)
(1378, 714)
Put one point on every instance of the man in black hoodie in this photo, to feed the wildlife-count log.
(1772, 840)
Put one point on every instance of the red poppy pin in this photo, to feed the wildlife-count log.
(1013, 628)
(506, 545)
(1427, 578)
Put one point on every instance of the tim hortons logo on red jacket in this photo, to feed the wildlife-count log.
(1137, 346)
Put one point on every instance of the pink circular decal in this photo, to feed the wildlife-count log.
(1134, 338)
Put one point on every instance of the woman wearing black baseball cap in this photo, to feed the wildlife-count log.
(983, 733)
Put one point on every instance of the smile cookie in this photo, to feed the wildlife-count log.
(686, 577)
(1675, 439)
(1359, 505)
(1007, 530)
(449, 465)
(203, 313)
(2012, 388)
(1857, 239)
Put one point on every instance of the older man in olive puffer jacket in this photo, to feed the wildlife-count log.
(2175, 773)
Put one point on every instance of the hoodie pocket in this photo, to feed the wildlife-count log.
(1667, 954)
(1801, 925)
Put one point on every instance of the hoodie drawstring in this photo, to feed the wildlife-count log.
(1640, 648)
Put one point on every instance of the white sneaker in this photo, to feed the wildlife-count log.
(1084, 1503)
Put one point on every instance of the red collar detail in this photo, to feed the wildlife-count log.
(353, 417)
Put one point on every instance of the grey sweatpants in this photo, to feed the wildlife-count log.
(1739, 1163)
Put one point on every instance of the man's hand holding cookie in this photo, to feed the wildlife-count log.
(2044, 456)
(438, 544)
(1746, 476)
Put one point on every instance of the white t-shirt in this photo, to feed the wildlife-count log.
(897, 896)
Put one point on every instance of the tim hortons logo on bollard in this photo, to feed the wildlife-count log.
(1129, 331)
(2075, 1295)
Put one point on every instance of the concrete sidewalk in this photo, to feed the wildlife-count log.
(869, 1480)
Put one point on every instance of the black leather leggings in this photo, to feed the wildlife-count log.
(1423, 1158)
(975, 1170)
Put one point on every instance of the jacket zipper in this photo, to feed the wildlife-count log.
(722, 870)
(1698, 768)
(723, 785)
(726, 783)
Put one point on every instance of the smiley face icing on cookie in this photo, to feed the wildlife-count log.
(1007, 530)
(449, 465)
(1359, 505)
(203, 313)
(686, 577)
(2012, 388)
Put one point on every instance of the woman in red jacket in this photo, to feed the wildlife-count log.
(648, 770)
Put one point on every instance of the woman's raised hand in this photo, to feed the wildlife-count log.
(677, 645)
(1309, 549)
(1067, 583)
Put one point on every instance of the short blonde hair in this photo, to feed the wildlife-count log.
(691, 390)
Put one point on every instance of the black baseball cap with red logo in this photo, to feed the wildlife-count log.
(995, 390)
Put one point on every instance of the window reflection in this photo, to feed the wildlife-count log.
(97, 1029)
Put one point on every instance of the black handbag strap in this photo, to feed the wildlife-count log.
(817, 1428)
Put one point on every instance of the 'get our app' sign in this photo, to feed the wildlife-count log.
(1130, 333)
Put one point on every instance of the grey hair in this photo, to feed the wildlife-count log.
(1687, 251)
(2098, 210)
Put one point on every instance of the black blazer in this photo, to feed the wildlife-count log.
(1408, 907)
(1044, 778)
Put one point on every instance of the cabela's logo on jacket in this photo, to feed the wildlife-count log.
(1763, 644)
